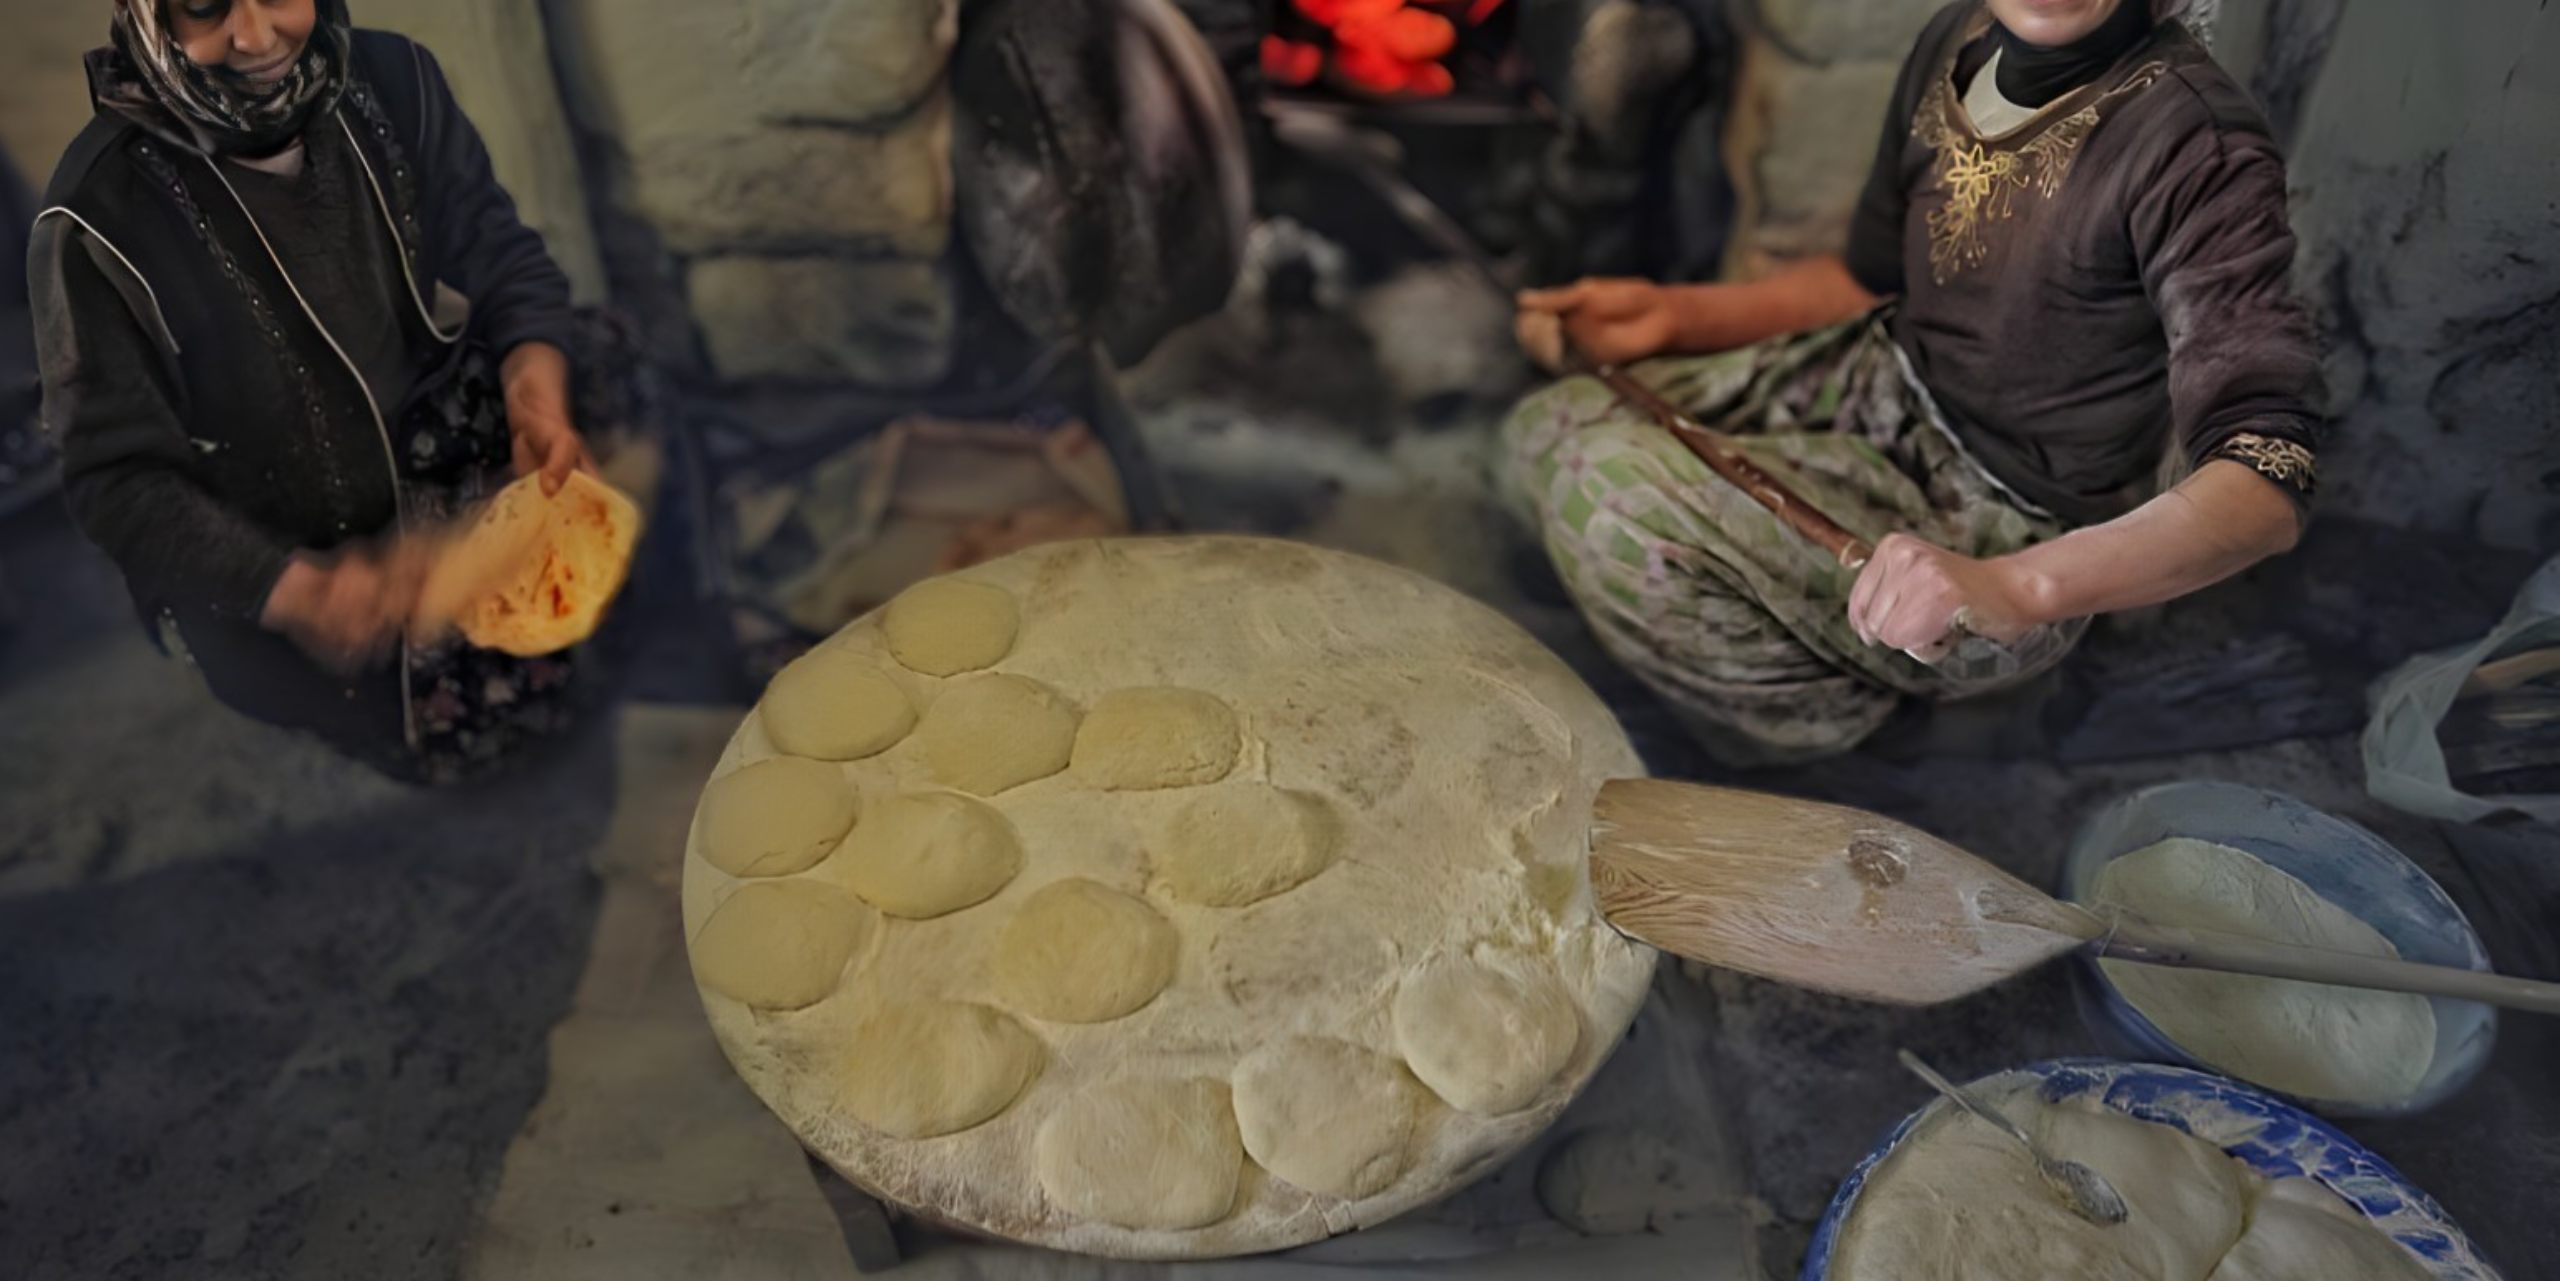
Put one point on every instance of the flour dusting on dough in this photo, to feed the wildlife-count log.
(1405, 775)
(2314, 1040)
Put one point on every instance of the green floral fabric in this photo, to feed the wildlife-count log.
(1737, 622)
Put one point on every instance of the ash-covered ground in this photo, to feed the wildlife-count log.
(262, 1014)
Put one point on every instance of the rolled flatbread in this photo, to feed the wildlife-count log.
(533, 573)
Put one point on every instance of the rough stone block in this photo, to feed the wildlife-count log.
(1823, 127)
(886, 324)
(2424, 216)
(650, 70)
(497, 58)
(44, 94)
(1825, 31)
(780, 127)
(802, 187)
(1803, 139)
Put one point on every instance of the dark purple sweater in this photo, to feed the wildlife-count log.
(2099, 298)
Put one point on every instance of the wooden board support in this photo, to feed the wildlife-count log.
(868, 1233)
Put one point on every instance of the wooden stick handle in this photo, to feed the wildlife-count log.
(2207, 950)
(1712, 449)
(2515, 669)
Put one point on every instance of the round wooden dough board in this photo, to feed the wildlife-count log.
(1460, 757)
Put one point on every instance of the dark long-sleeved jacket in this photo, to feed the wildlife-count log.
(209, 423)
(2101, 289)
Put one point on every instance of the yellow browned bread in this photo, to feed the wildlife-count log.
(534, 573)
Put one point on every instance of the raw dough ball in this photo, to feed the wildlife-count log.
(1081, 952)
(1143, 1154)
(1302, 952)
(775, 817)
(1485, 1035)
(780, 945)
(1139, 739)
(2309, 1039)
(1326, 1115)
(928, 854)
(836, 706)
(945, 626)
(989, 733)
(1244, 843)
(1961, 1202)
(2301, 1231)
(1359, 710)
(1619, 1180)
(925, 1068)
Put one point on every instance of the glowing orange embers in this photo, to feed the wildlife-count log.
(1381, 48)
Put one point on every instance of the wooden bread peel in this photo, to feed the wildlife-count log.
(1843, 901)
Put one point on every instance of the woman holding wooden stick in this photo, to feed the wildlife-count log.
(2059, 371)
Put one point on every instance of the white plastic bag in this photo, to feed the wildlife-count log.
(2403, 763)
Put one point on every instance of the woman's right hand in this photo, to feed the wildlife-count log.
(347, 611)
(1613, 321)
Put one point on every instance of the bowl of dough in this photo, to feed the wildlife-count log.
(2242, 860)
(1164, 898)
(2221, 1181)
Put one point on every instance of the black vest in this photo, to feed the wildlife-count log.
(283, 428)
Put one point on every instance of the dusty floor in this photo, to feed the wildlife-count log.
(262, 1015)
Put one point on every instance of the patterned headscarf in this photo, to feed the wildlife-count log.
(218, 111)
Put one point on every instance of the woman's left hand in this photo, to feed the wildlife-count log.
(1913, 594)
(537, 383)
(546, 443)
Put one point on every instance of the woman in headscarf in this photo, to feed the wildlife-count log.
(2060, 357)
(286, 315)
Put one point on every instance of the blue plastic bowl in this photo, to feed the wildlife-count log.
(2342, 863)
(2264, 1132)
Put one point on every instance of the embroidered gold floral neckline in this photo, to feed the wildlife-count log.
(1982, 180)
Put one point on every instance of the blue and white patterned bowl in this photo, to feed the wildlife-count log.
(2263, 1132)
(2342, 863)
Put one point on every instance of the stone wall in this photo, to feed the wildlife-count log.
(777, 170)
(1815, 78)
(497, 58)
(44, 95)
(790, 159)
(2424, 149)
(786, 162)
(2426, 178)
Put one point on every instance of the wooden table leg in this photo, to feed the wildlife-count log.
(1150, 502)
(867, 1233)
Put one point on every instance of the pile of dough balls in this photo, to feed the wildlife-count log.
(1960, 1201)
(1479, 1034)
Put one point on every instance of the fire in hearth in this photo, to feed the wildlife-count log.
(1386, 48)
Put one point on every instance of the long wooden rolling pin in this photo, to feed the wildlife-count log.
(1369, 156)
(1716, 452)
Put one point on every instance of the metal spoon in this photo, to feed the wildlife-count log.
(2083, 1190)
